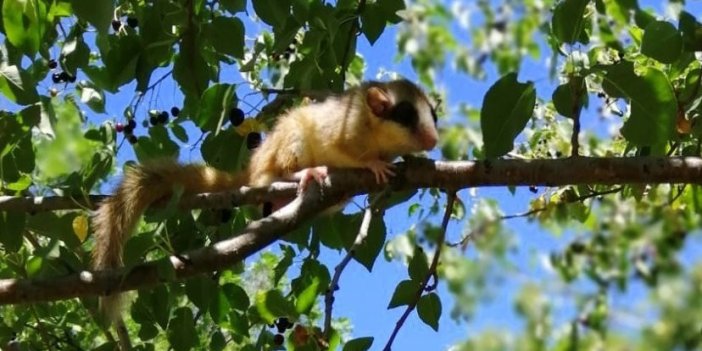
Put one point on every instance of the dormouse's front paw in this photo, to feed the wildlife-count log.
(381, 169)
(317, 173)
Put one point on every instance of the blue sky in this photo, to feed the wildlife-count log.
(363, 296)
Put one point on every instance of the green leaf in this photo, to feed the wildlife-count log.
(389, 8)
(121, 61)
(274, 16)
(17, 85)
(158, 145)
(55, 225)
(311, 273)
(429, 310)
(152, 305)
(418, 267)
(237, 296)
(219, 307)
(226, 151)
(307, 297)
(373, 24)
(507, 107)
(75, 53)
(568, 21)
(691, 32)
(333, 228)
(179, 132)
(24, 22)
(200, 291)
(217, 341)
(96, 12)
(147, 332)
(271, 305)
(234, 6)
(405, 293)
(652, 99)
(215, 104)
(565, 95)
(92, 97)
(227, 36)
(11, 227)
(181, 330)
(367, 252)
(359, 344)
(661, 41)
(282, 267)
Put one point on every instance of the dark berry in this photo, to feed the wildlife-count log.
(601, 95)
(153, 120)
(284, 322)
(52, 64)
(64, 77)
(533, 189)
(253, 140)
(236, 116)
(119, 127)
(129, 128)
(56, 78)
(132, 22)
(278, 339)
(267, 209)
(132, 139)
(225, 215)
(71, 78)
(116, 25)
(163, 117)
(175, 111)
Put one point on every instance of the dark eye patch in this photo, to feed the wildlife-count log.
(405, 114)
(433, 115)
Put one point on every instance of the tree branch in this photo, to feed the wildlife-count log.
(417, 173)
(223, 254)
(425, 173)
(423, 286)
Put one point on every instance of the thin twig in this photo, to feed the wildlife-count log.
(353, 31)
(431, 273)
(360, 238)
(468, 237)
(577, 93)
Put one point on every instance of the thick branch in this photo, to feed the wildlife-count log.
(418, 173)
(422, 173)
(254, 237)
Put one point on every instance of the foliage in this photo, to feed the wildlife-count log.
(627, 73)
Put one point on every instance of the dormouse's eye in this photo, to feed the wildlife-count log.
(405, 114)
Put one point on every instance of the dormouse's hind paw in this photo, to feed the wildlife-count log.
(381, 169)
(307, 174)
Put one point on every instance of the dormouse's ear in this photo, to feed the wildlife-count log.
(378, 101)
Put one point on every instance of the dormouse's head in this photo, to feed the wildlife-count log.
(407, 119)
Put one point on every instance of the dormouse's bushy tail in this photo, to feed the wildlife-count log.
(117, 216)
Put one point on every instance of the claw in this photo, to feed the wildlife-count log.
(381, 170)
(307, 174)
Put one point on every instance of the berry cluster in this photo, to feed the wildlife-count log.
(156, 117)
(281, 324)
(128, 130)
(60, 77)
(236, 118)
